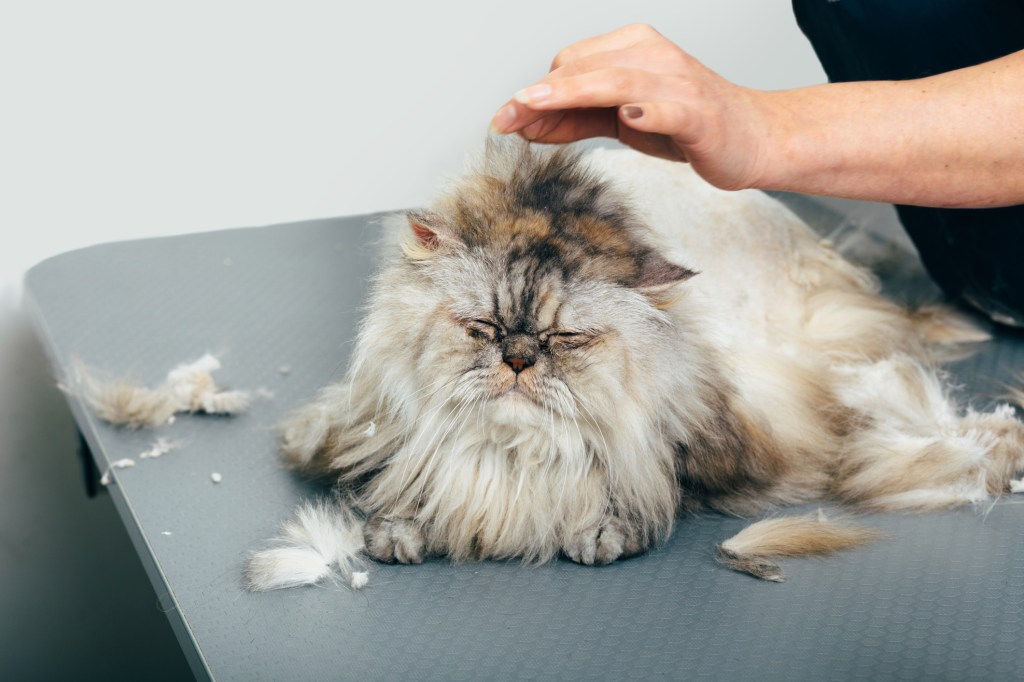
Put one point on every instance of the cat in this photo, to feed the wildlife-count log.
(569, 351)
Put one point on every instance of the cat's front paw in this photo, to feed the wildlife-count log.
(394, 540)
(603, 544)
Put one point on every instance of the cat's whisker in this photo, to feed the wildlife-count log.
(589, 417)
(445, 382)
(565, 398)
(519, 488)
(556, 458)
(433, 449)
(412, 452)
(464, 404)
(554, 455)
(405, 404)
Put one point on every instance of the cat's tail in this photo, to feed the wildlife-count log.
(753, 549)
(324, 540)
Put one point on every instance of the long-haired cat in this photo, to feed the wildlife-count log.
(569, 351)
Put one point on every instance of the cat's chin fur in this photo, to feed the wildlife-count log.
(512, 413)
(776, 375)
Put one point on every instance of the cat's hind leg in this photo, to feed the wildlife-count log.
(919, 452)
(914, 451)
(337, 436)
(305, 436)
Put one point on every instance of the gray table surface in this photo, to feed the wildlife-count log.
(943, 599)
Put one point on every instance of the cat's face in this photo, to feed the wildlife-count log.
(533, 332)
(530, 342)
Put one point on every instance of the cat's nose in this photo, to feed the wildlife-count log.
(519, 351)
(517, 363)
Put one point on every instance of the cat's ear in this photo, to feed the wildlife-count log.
(430, 233)
(657, 276)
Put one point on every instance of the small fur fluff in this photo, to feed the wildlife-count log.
(189, 387)
(565, 353)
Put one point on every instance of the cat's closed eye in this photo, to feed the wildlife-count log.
(488, 330)
(566, 339)
(484, 329)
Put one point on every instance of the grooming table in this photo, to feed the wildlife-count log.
(279, 305)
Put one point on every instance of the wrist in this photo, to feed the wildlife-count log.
(827, 139)
(790, 146)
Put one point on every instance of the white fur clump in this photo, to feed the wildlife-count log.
(189, 387)
(195, 390)
(159, 448)
(324, 539)
(125, 463)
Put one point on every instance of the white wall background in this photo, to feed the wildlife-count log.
(123, 120)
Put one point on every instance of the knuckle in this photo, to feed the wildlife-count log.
(582, 65)
(642, 30)
(619, 80)
(674, 56)
(570, 68)
(564, 56)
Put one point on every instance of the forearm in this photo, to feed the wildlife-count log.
(955, 140)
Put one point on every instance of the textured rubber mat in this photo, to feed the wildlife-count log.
(942, 599)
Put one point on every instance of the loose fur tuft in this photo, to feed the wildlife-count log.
(325, 539)
(189, 387)
(123, 402)
(751, 550)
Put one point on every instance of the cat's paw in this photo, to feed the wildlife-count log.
(603, 544)
(394, 540)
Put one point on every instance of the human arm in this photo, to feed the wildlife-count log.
(955, 139)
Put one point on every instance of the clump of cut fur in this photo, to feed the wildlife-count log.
(323, 541)
(564, 353)
(189, 387)
(107, 477)
(159, 448)
(752, 549)
(124, 402)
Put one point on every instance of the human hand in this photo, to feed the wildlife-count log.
(635, 85)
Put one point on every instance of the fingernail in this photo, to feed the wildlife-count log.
(503, 120)
(632, 112)
(533, 94)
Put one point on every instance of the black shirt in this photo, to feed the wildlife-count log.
(973, 254)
